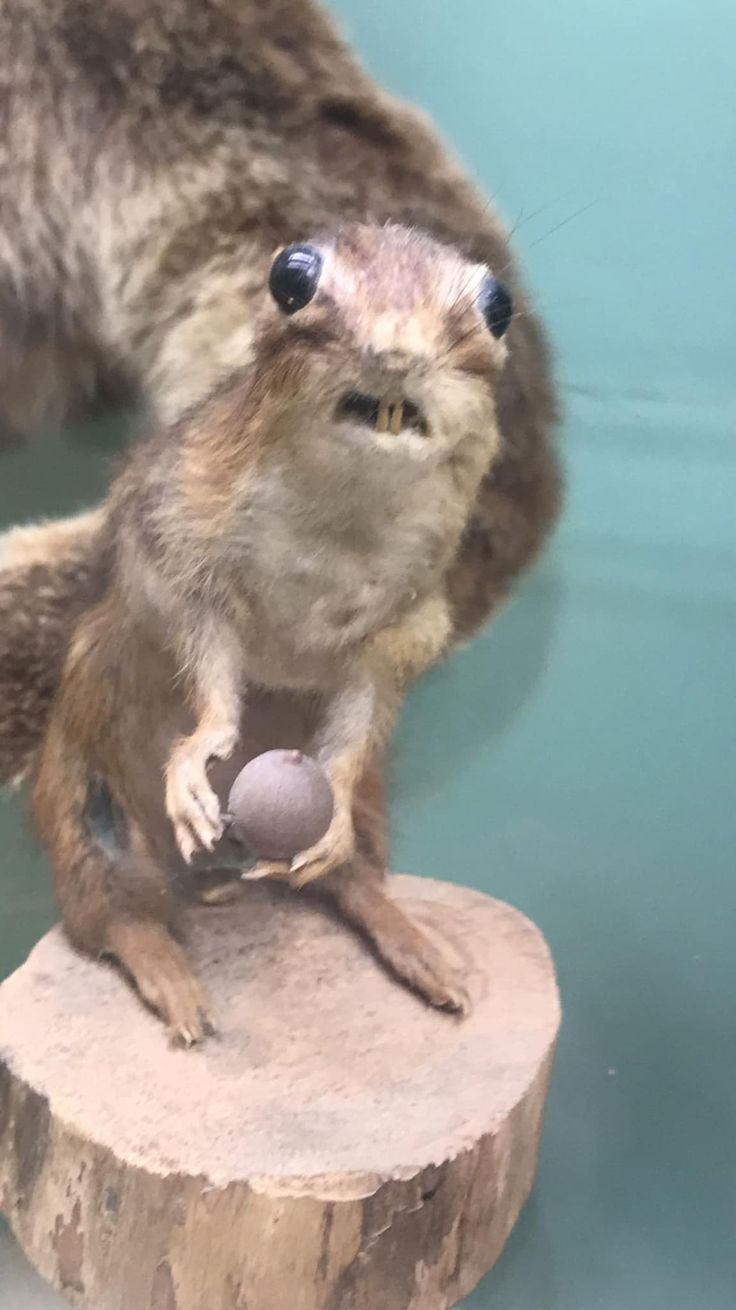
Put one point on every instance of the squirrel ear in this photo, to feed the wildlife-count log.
(294, 277)
(495, 305)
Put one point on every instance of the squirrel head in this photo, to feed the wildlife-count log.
(376, 357)
(383, 339)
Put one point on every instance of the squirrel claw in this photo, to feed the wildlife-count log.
(335, 848)
(266, 869)
(191, 804)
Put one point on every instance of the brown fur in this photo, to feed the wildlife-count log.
(49, 574)
(268, 542)
(152, 157)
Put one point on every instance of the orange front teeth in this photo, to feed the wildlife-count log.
(397, 418)
(390, 416)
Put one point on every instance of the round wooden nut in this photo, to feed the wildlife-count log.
(281, 803)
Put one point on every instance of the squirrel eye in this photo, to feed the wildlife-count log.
(294, 277)
(495, 305)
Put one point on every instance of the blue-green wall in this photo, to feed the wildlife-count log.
(580, 760)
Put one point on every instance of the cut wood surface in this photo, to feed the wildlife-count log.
(340, 1146)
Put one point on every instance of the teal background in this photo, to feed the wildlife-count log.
(578, 760)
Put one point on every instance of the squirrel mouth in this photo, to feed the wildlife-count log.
(382, 414)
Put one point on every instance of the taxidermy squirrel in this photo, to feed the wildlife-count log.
(367, 435)
(290, 534)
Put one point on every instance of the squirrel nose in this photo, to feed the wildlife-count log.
(388, 369)
(396, 362)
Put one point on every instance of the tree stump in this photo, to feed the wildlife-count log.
(340, 1146)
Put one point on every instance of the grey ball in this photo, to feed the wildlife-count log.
(281, 803)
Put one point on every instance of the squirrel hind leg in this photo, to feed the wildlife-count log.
(117, 901)
(219, 886)
(360, 894)
(160, 973)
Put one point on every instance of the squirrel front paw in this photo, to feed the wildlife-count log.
(191, 803)
(334, 849)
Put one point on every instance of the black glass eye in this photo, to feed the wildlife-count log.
(495, 305)
(294, 277)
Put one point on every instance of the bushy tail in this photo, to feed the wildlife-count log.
(49, 573)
